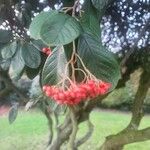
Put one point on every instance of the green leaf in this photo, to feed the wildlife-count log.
(61, 29)
(5, 36)
(54, 68)
(9, 50)
(101, 4)
(31, 72)
(30, 55)
(39, 44)
(90, 21)
(53, 72)
(13, 113)
(38, 21)
(98, 59)
(17, 63)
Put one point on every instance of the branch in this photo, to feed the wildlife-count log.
(65, 129)
(61, 138)
(74, 130)
(126, 138)
(137, 110)
(87, 135)
(66, 122)
(63, 132)
(56, 119)
(45, 109)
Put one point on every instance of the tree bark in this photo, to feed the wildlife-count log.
(74, 122)
(61, 138)
(83, 139)
(63, 132)
(131, 133)
(137, 109)
(113, 142)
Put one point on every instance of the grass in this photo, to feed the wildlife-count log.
(30, 130)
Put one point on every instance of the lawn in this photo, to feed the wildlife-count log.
(30, 130)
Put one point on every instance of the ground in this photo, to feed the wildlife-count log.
(30, 130)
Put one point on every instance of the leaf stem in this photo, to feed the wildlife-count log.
(87, 71)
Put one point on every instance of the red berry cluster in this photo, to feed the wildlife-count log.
(77, 92)
(46, 50)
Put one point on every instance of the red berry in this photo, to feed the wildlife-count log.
(104, 87)
(61, 96)
(83, 96)
(77, 92)
(77, 100)
(44, 50)
(72, 94)
(91, 83)
(78, 95)
(48, 93)
(56, 90)
(86, 87)
(44, 88)
(55, 96)
(102, 91)
(60, 102)
(48, 52)
(66, 94)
